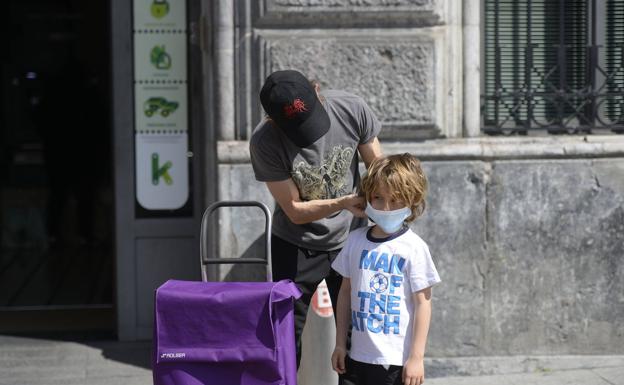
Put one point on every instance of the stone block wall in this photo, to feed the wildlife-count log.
(531, 253)
(528, 235)
(555, 266)
(401, 56)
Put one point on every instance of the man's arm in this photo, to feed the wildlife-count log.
(287, 196)
(299, 212)
(369, 151)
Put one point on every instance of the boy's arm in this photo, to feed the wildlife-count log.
(343, 317)
(414, 368)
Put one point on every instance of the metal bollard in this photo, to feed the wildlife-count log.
(319, 336)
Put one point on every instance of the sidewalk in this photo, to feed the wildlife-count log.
(30, 361)
(525, 370)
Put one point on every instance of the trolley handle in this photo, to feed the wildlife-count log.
(203, 244)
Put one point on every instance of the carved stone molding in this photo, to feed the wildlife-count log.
(349, 13)
(348, 5)
(395, 75)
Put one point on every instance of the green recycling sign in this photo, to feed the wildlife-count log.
(160, 58)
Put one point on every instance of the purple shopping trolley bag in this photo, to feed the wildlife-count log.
(225, 333)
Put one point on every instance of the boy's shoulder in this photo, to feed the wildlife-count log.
(415, 240)
(358, 233)
(410, 233)
(356, 237)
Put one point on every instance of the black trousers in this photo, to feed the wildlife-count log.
(373, 374)
(307, 268)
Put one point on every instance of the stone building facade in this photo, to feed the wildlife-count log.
(527, 231)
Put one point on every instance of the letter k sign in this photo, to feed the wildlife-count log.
(157, 171)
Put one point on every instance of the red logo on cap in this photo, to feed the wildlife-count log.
(297, 106)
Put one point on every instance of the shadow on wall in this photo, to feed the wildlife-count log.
(247, 272)
(137, 354)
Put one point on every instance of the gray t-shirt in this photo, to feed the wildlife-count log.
(326, 169)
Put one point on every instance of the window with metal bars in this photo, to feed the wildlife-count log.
(553, 66)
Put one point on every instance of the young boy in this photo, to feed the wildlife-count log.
(387, 277)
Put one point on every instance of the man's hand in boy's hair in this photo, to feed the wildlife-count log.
(354, 203)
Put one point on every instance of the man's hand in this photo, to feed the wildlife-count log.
(355, 203)
(338, 360)
(414, 371)
(300, 212)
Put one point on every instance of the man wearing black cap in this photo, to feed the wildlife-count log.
(306, 151)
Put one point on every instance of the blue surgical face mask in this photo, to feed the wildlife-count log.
(389, 221)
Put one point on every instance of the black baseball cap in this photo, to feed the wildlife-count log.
(291, 101)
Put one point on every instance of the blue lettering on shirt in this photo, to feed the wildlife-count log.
(363, 296)
(395, 281)
(383, 306)
(361, 317)
(382, 263)
(371, 260)
(375, 303)
(383, 314)
(392, 307)
(396, 264)
(370, 324)
(367, 259)
(394, 324)
(354, 322)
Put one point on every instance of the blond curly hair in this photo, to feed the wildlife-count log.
(403, 175)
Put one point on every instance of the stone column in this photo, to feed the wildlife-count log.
(472, 68)
(224, 59)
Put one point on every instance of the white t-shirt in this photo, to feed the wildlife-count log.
(384, 273)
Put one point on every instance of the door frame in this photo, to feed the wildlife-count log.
(128, 228)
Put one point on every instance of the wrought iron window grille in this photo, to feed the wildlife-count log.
(534, 86)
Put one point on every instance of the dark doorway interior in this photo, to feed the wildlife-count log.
(56, 196)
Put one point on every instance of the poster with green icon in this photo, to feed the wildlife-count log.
(159, 14)
(160, 107)
(161, 104)
(162, 171)
(160, 56)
